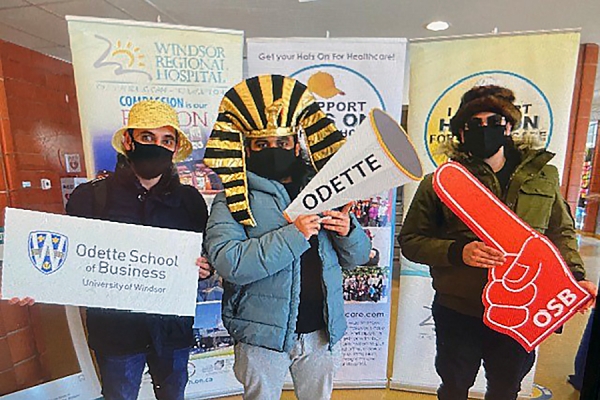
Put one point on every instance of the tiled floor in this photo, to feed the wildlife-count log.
(555, 360)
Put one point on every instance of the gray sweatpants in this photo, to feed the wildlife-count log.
(311, 364)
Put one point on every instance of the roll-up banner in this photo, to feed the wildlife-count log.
(119, 63)
(349, 77)
(540, 69)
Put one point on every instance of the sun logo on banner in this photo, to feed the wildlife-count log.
(126, 58)
(347, 109)
(537, 121)
(47, 250)
(131, 53)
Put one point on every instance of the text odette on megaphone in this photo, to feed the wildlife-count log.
(340, 182)
(379, 156)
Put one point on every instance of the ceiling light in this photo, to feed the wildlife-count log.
(437, 26)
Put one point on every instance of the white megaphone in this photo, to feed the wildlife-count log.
(377, 157)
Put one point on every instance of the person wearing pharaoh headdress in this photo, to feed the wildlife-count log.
(283, 299)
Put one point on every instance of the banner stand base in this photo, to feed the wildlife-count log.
(395, 385)
(216, 394)
(379, 384)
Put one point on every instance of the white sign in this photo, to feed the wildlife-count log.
(76, 261)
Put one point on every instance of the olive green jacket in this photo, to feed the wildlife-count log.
(434, 236)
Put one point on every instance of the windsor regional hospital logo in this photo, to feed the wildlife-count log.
(344, 94)
(124, 56)
(47, 250)
(537, 121)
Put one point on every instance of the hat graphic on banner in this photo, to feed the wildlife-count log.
(379, 156)
(533, 293)
(323, 85)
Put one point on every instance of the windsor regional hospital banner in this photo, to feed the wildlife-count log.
(348, 77)
(540, 69)
(119, 63)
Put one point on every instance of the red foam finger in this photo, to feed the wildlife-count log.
(496, 293)
(509, 317)
(490, 219)
(533, 293)
(527, 265)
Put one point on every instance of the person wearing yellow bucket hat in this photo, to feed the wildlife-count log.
(152, 139)
(144, 190)
(283, 302)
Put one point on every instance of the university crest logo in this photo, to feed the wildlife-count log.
(47, 250)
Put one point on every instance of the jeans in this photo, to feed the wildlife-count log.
(576, 380)
(122, 375)
(462, 342)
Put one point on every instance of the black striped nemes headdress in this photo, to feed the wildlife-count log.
(263, 106)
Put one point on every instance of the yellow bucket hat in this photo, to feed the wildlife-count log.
(152, 114)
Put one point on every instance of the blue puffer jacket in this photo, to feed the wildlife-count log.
(261, 268)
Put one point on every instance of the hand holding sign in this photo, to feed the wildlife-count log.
(338, 221)
(204, 268)
(478, 254)
(25, 301)
(533, 292)
(308, 225)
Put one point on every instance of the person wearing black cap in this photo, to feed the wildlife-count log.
(520, 176)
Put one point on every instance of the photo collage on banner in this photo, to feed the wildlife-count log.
(119, 63)
(349, 77)
(541, 73)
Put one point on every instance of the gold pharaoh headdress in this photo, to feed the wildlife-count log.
(266, 105)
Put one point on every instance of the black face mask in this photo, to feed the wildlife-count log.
(150, 160)
(272, 163)
(484, 141)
